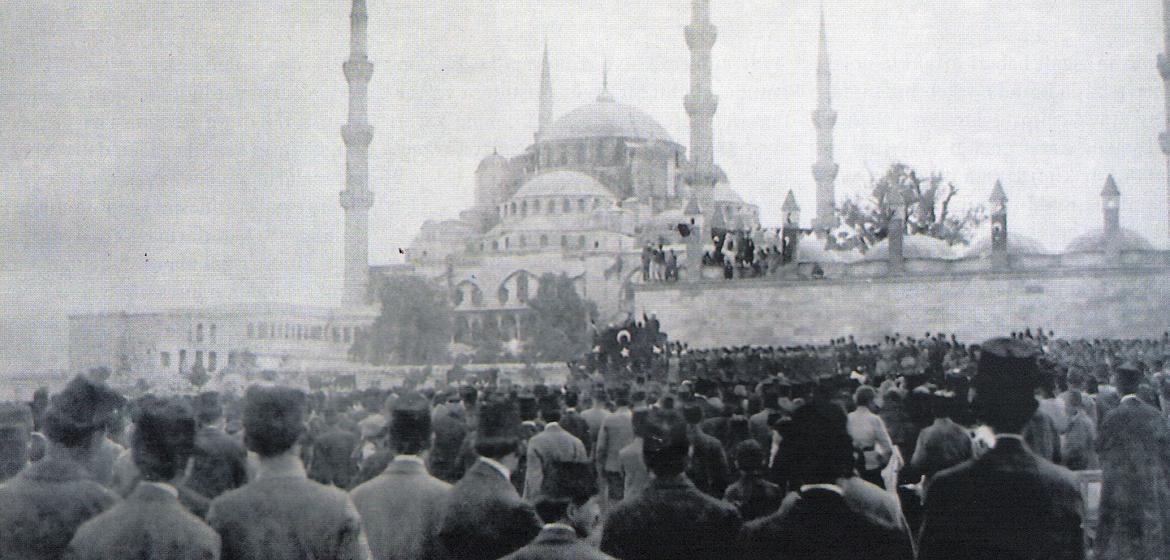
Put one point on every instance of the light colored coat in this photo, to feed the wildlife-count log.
(42, 507)
(401, 510)
(551, 445)
(617, 431)
(634, 471)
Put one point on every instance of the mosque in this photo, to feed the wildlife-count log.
(597, 185)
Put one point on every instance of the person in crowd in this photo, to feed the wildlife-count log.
(1009, 503)
(551, 446)
(151, 522)
(671, 518)
(569, 510)
(943, 444)
(486, 518)
(1135, 464)
(220, 462)
(333, 450)
(869, 434)
(1077, 383)
(594, 417)
(751, 494)
(450, 428)
(1042, 436)
(1079, 449)
(402, 507)
(282, 515)
(574, 423)
(101, 463)
(617, 431)
(708, 468)
(43, 505)
(634, 473)
(820, 523)
(16, 428)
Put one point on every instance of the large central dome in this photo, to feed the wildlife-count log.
(606, 118)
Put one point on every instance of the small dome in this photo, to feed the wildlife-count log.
(913, 247)
(563, 183)
(1096, 242)
(980, 247)
(494, 161)
(605, 119)
(810, 249)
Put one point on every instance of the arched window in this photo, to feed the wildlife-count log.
(596, 244)
(544, 241)
(524, 208)
(476, 296)
(457, 297)
(502, 295)
(581, 242)
(536, 206)
(581, 205)
(552, 206)
(495, 245)
(522, 288)
(564, 241)
(211, 333)
(507, 243)
(523, 241)
(596, 203)
(199, 332)
(512, 209)
(568, 206)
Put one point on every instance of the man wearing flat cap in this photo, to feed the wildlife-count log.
(486, 517)
(1008, 503)
(402, 507)
(671, 518)
(282, 515)
(1135, 462)
(152, 523)
(569, 510)
(43, 505)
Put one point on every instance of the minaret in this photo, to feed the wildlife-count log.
(1164, 70)
(896, 231)
(999, 227)
(700, 103)
(546, 96)
(825, 118)
(1111, 207)
(357, 199)
(791, 211)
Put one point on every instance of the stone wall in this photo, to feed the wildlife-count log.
(1084, 302)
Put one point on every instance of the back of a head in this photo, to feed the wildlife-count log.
(692, 412)
(1005, 382)
(16, 425)
(1129, 378)
(817, 443)
(864, 396)
(274, 419)
(164, 437)
(665, 446)
(81, 410)
(564, 484)
(750, 457)
(208, 409)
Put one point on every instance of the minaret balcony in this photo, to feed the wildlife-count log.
(355, 199)
(357, 134)
(701, 36)
(700, 103)
(358, 70)
(824, 118)
(825, 171)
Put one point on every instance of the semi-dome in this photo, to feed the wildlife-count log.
(494, 161)
(1018, 244)
(1097, 241)
(605, 119)
(563, 183)
(913, 247)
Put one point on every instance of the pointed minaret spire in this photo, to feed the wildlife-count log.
(790, 210)
(824, 119)
(1111, 206)
(604, 96)
(357, 199)
(546, 96)
(700, 102)
(1164, 70)
(999, 227)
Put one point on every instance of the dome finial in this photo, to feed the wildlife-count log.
(605, 97)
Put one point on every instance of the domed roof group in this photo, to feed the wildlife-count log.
(563, 183)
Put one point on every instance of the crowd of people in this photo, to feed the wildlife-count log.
(750, 253)
(912, 448)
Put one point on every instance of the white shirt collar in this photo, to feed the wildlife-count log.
(830, 487)
(409, 459)
(1130, 397)
(552, 426)
(174, 492)
(561, 526)
(505, 471)
(1007, 435)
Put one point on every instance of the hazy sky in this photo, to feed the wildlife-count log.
(172, 153)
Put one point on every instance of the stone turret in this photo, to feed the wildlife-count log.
(700, 102)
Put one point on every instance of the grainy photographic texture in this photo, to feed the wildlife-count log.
(584, 279)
